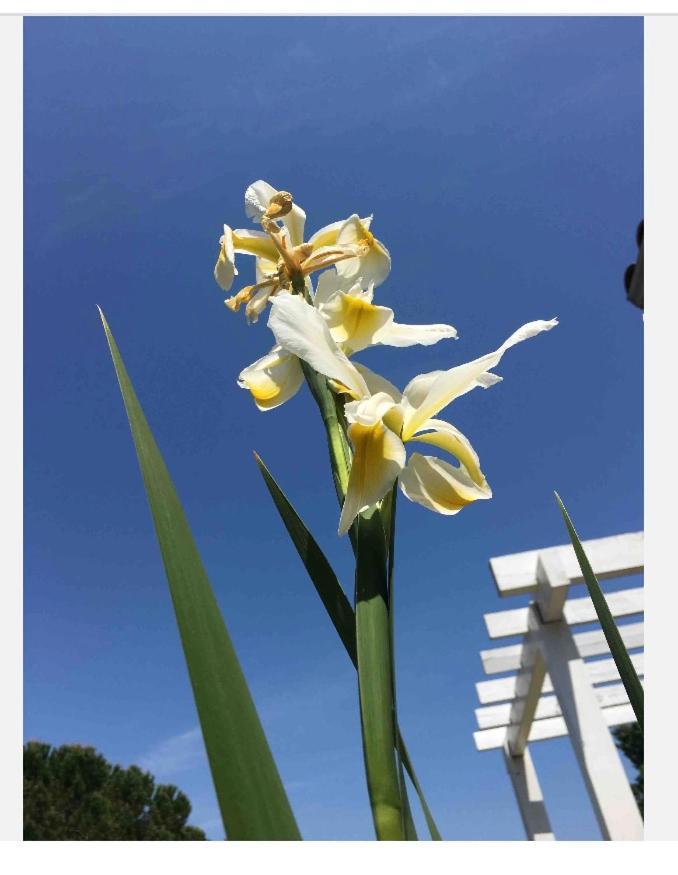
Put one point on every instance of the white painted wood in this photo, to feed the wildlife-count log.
(501, 624)
(552, 727)
(547, 706)
(528, 796)
(599, 672)
(608, 787)
(553, 584)
(528, 690)
(609, 557)
(588, 644)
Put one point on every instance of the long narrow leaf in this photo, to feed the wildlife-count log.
(319, 569)
(336, 604)
(251, 796)
(375, 683)
(619, 652)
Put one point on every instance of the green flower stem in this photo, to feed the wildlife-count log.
(373, 626)
(375, 678)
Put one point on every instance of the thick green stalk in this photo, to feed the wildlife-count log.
(373, 633)
(388, 512)
(375, 678)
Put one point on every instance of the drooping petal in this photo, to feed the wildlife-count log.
(378, 459)
(272, 379)
(225, 269)
(398, 334)
(257, 303)
(374, 265)
(445, 436)
(354, 322)
(255, 243)
(300, 329)
(427, 394)
(439, 486)
(257, 198)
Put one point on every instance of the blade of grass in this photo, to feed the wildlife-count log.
(620, 654)
(336, 604)
(251, 796)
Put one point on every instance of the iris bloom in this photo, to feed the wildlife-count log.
(347, 321)
(280, 250)
(382, 419)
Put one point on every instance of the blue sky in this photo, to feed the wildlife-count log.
(502, 159)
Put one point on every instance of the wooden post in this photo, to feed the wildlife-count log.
(602, 770)
(528, 795)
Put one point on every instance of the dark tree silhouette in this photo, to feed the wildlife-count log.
(73, 793)
(630, 742)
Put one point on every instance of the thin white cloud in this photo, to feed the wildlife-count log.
(175, 754)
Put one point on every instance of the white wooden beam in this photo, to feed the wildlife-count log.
(528, 796)
(552, 727)
(501, 624)
(609, 557)
(547, 706)
(528, 690)
(604, 776)
(600, 671)
(588, 644)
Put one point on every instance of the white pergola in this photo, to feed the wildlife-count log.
(555, 688)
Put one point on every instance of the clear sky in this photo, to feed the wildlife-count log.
(502, 159)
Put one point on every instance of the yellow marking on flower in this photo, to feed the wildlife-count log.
(258, 245)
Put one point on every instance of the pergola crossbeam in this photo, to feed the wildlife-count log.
(555, 692)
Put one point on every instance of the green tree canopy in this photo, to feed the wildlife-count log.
(73, 793)
(630, 742)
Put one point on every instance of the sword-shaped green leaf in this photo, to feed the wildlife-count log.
(335, 601)
(627, 673)
(251, 796)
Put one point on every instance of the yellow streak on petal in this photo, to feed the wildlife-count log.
(259, 245)
(379, 456)
(355, 321)
(448, 438)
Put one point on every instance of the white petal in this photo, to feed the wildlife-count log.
(299, 328)
(426, 396)
(439, 486)
(295, 222)
(257, 303)
(397, 334)
(354, 322)
(329, 283)
(328, 235)
(265, 269)
(446, 437)
(272, 379)
(225, 269)
(369, 411)
(375, 265)
(379, 456)
(257, 199)
(377, 383)
(255, 243)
